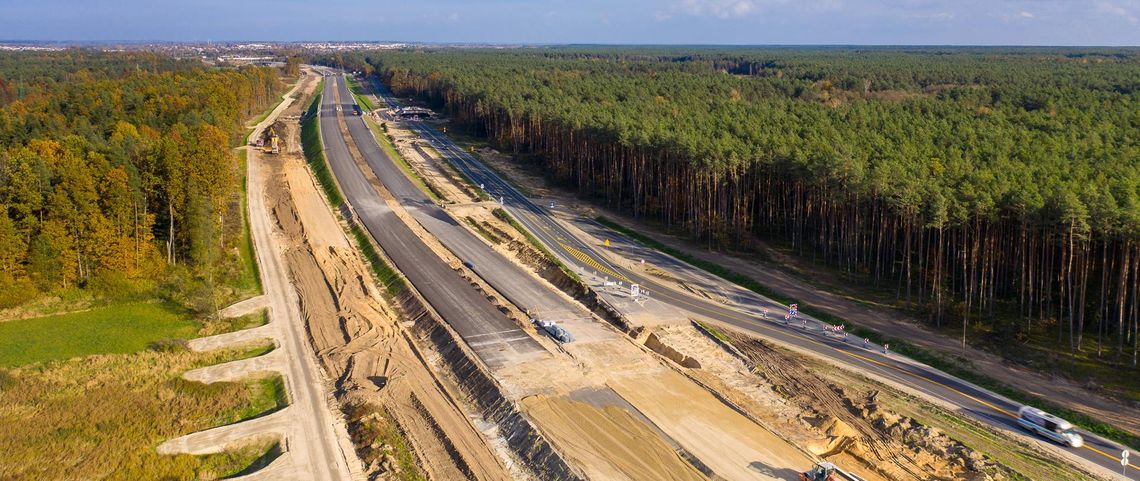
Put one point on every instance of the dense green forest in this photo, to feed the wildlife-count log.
(116, 170)
(995, 188)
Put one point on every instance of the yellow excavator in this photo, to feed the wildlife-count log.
(271, 147)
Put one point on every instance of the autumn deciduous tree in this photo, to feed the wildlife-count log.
(109, 169)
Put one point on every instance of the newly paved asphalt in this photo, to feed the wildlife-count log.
(969, 399)
(497, 340)
(504, 276)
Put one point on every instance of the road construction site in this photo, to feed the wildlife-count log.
(447, 376)
(641, 393)
(311, 433)
(598, 374)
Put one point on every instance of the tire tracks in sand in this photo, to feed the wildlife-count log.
(357, 337)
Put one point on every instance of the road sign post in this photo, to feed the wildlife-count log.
(1124, 463)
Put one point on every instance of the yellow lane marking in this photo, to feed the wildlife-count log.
(908, 373)
(589, 260)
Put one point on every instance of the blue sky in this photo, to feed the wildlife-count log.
(971, 22)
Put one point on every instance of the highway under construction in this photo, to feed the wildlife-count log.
(661, 384)
(528, 342)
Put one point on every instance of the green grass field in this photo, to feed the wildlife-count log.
(88, 395)
(102, 416)
(118, 328)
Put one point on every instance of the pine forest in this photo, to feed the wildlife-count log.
(992, 189)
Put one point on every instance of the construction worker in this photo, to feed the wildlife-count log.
(765, 310)
(865, 342)
(886, 347)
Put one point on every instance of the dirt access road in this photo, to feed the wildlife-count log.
(358, 339)
(743, 311)
(314, 439)
(598, 400)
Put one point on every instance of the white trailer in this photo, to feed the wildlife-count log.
(1049, 426)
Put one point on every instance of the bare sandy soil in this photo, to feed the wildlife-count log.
(730, 444)
(860, 429)
(357, 336)
(655, 413)
(608, 442)
(787, 280)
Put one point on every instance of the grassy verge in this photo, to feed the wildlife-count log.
(314, 152)
(250, 279)
(117, 328)
(258, 120)
(956, 367)
(101, 417)
(265, 454)
(492, 238)
(714, 332)
(479, 193)
(249, 131)
(390, 150)
(385, 274)
(534, 242)
(267, 395)
(360, 94)
(215, 326)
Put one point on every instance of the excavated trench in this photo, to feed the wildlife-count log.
(484, 392)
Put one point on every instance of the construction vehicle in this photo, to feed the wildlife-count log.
(269, 141)
(555, 331)
(822, 471)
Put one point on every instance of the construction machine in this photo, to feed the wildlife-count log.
(269, 142)
(822, 471)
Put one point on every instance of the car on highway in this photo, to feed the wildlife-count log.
(1049, 426)
(469, 265)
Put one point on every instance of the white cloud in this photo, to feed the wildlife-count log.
(718, 8)
(933, 16)
(1129, 13)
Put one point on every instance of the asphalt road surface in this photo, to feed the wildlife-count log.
(495, 339)
(505, 276)
(969, 399)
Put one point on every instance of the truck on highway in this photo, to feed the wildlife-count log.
(1049, 426)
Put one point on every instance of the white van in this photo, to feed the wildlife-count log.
(1049, 426)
